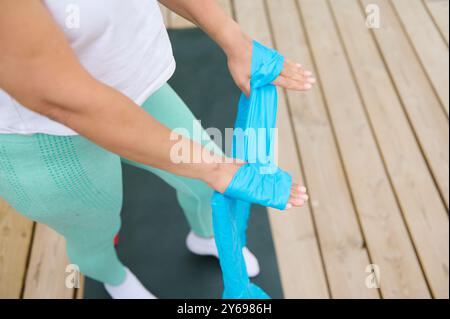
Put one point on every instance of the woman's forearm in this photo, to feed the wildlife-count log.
(116, 123)
(209, 16)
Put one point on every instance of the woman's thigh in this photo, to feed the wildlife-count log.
(193, 195)
(66, 182)
(168, 108)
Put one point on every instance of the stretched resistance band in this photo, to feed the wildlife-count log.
(259, 181)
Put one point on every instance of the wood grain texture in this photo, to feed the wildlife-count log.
(340, 237)
(422, 208)
(15, 239)
(379, 215)
(46, 272)
(417, 95)
(428, 44)
(439, 11)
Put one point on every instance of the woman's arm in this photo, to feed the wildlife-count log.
(209, 16)
(40, 70)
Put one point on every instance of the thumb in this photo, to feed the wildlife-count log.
(246, 88)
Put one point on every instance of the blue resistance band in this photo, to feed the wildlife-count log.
(259, 181)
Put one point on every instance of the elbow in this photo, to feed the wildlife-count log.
(56, 113)
(56, 89)
(58, 102)
(44, 104)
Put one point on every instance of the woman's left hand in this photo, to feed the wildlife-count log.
(292, 77)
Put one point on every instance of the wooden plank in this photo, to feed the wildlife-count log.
(342, 245)
(428, 44)
(298, 255)
(15, 238)
(46, 272)
(165, 14)
(422, 207)
(439, 11)
(296, 243)
(178, 22)
(380, 217)
(79, 293)
(420, 103)
(227, 6)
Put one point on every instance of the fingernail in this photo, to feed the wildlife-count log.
(303, 189)
(308, 86)
(299, 65)
(312, 80)
(288, 206)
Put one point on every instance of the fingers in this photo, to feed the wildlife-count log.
(294, 70)
(292, 77)
(291, 84)
(298, 196)
(295, 77)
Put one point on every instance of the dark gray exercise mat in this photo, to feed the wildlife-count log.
(152, 238)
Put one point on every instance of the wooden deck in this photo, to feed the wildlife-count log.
(371, 142)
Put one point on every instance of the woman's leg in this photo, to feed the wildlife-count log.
(194, 196)
(73, 186)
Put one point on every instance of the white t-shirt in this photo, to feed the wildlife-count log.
(122, 43)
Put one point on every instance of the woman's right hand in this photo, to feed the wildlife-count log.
(225, 172)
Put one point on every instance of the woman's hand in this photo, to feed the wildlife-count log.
(220, 178)
(293, 76)
(236, 44)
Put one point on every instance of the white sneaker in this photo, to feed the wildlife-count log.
(207, 247)
(131, 288)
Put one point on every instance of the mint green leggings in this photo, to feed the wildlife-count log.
(75, 187)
